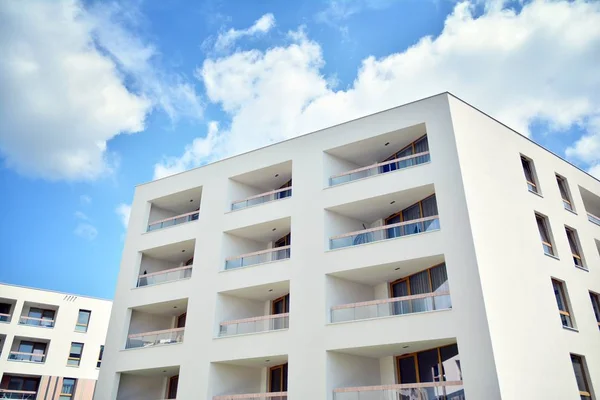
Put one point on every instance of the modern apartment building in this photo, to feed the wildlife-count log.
(423, 252)
(51, 343)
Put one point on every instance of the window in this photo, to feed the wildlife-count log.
(21, 383)
(5, 312)
(564, 192)
(433, 365)
(581, 377)
(542, 223)
(68, 389)
(595, 297)
(561, 300)
(83, 320)
(530, 175)
(31, 351)
(40, 317)
(172, 389)
(99, 362)
(574, 244)
(75, 354)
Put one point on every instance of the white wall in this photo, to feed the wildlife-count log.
(230, 308)
(346, 370)
(135, 387)
(144, 322)
(337, 224)
(333, 165)
(231, 379)
(239, 191)
(150, 265)
(236, 246)
(157, 214)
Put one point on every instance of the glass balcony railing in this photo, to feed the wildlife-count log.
(380, 168)
(255, 324)
(179, 219)
(168, 275)
(29, 357)
(406, 228)
(593, 219)
(262, 198)
(447, 390)
(388, 307)
(149, 339)
(5, 317)
(17, 394)
(42, 322)
(254, 396)
(259, 257)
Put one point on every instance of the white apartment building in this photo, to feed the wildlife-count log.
(50, 343)
(423, 252)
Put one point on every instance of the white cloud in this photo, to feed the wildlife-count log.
(587, 148)
(82, 216)
(261, 26)
(86, 231)
(123, 211)
(63, 89)
(85, 199)
(537, 64)
(340, 10)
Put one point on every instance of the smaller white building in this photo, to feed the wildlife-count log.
(51, 343)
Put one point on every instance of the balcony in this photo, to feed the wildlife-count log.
(390, 152)
(261, 186)
(7, 307)
(174, 209)
(386, 217)
(152, 383)
(18, 394)
(166, 264)
(427, 370)
(591, 203)
(28, 350)
(254, 309)
(157, 324)
(23, 387)
(38, 315)
(258, 244)
(262, 378)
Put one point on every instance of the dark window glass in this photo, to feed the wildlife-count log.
(451, 363)
(407, 369)
(582, 381)
(429, 367)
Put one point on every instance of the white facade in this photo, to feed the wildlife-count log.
(500, 312)
(37, 328)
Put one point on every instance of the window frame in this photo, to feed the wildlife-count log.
(72, 358)
(85, 326)
(575, 247)
(565, 193)
(532, 182)
(595, 300)
(100, 355)
(562, 297)
(64, 395)
(584, 375)
(544, 230)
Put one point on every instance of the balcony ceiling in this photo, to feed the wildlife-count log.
(260, 362)
(156, 372)
(265, 178)
(180, 202)
(264, 232)
(374, 208)
(373, 150)
(261, 292)
(173, 252)
(168, 308)
(395, 349)
(591, 202)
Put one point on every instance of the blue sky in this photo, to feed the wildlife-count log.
(97, 97)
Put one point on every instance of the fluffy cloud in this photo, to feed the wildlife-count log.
(587, 148)
(85, 199)
(536, 64)
(261, 26)
(62, 87)
(123, 211)
(86, 231)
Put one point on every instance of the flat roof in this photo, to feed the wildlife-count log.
(54, 291)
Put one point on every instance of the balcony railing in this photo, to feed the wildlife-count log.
(380, 168)
(395, 306)
(262, 198)
(149, 339)
(258, 257)
(17, 394)
(385, 232)
(592, 218)
(255, 324)
(256, 396)
(179, 219)
(29, 357)
(448, 390)
(167, 275)
(43, 322)
(5, 317)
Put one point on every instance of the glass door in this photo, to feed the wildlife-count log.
(278, 380)
(400, 288)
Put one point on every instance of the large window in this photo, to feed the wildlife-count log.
(574, 244)
(563, 187)
(419, 146)
(581, 377)
(68, 389)
(5, 312)
(421, 209)
(31, 351)
(562, 301)
(83, 320)
(41, 317)
(99, 362)
(595, 298)
(21, 383)
(431, 280)
(545, 235)
(530, 177)
(75, 354)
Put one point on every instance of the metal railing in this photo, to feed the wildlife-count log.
(394, 306)
(385, 232)
(5, 317)
(447, 390)
(255, 324)
(17, 394)
(380, 168)
(149, 339)
(258, 257)
(43, 322)
(256, 396)
(592, 218)
(29, 357)
(167, 275)
(262, 198)
(176, 220)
